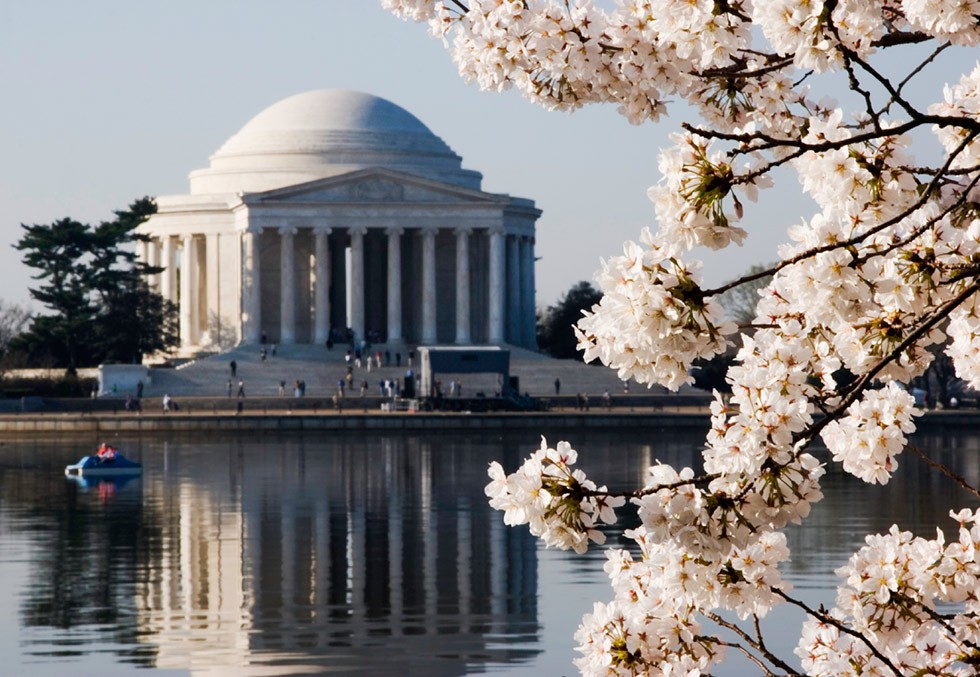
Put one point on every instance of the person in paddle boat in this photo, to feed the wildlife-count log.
(106, 452)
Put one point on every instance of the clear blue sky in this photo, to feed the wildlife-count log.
(110, 100)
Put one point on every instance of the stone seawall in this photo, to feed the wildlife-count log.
(30, 425)
(34, 425)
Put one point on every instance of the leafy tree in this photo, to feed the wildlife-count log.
(101, 308)
(555, 334)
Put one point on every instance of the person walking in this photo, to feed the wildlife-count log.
(241, 389)
(233, 366)
(557, 386)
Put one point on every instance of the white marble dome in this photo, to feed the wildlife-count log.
(325, 133)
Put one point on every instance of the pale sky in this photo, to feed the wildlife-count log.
(109, 100)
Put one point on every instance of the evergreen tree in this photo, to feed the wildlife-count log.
(101, 307)
(58, 251)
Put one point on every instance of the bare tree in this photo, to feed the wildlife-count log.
(740, 302)
(13, 321)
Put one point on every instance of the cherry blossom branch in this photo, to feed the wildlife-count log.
(923, 198)
(830, 620)
(864, 381)
(931, 222)
(802, 147)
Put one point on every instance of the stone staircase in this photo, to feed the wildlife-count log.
(322, 369)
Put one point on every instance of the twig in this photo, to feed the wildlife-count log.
(748, 654)
(936, 465)
(829, 620)
(755, 644)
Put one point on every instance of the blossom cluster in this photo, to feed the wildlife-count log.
(871, 434)
(868, 289)
(890, 594)
(653, 320)
(556, 501)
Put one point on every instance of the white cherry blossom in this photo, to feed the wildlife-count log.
(880, 269)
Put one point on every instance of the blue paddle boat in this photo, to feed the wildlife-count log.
(107, 462)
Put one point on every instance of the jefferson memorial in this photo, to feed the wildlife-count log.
(335, 210)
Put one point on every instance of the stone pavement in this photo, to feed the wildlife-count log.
(322, 369)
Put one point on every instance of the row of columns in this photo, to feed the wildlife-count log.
(514, 254)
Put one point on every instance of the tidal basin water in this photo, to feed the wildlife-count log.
(356, 554)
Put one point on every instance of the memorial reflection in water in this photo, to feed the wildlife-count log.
(354, 552)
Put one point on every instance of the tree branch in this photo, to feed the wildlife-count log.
(830, 620)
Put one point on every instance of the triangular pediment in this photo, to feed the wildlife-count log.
(372, 186)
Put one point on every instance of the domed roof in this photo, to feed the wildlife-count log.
(325, 133)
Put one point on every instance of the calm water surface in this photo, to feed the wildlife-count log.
(352, 554)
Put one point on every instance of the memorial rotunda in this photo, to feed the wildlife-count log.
(334, 210)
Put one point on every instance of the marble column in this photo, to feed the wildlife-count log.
(188, 307)
(527, 291)
(153, 259)
(168, 278)
(514, 334)
(357, 278)
(429, 334)
(321, 291)
(495, 284)
(462, 285)
(212, 275)
(252, 284)
(394, 284)
(287, 285)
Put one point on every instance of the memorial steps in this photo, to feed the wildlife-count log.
(321, 369)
